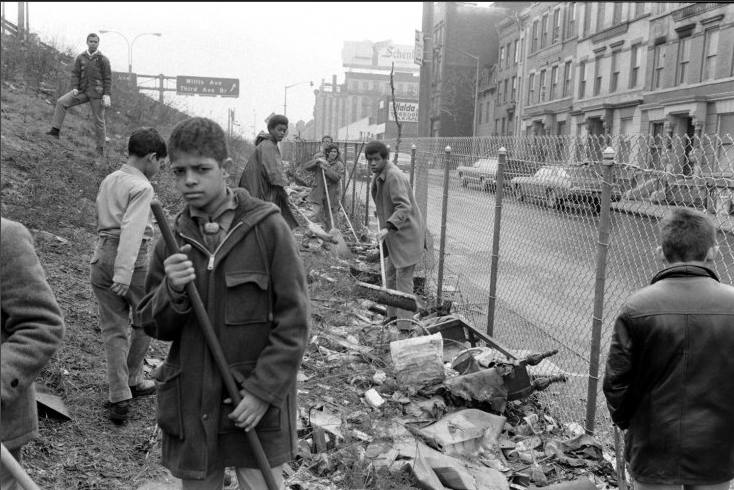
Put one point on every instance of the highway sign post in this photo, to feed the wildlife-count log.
(207, 86)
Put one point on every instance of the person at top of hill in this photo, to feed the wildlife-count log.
(91, 81)
(264, 176)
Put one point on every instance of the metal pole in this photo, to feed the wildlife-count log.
(354, 183)
(444, 212)
(476, 100)
(412, 164)
(285, 98)
(367, 202)
(160, 96)
(499, 194)
(601, 264)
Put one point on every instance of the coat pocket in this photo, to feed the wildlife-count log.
(168, 407)
(247, 297)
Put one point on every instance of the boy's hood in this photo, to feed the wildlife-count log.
(262, 136)
(250, 211)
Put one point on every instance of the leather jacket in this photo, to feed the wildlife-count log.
(669, 378)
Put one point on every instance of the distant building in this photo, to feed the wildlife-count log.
(366, 86)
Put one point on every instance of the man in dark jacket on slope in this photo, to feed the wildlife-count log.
(670, 371)
(91, 81)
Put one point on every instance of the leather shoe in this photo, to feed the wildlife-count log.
(119, 411)
(144, 388)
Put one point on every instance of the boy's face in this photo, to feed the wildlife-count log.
(377, 163)
(92, 44)
(279, 132)
(201, 180)
(333, 154)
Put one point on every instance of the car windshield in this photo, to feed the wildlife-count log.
(583, 173)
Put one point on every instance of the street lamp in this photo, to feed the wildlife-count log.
(130, 48)
(285, 93)
(476, 86)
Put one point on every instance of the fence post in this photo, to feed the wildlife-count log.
(499, 194)
(412, 164)
(444, 212)
(601, 266)
(367, 200)
(355, 169)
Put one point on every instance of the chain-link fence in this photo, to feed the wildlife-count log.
(567, 254)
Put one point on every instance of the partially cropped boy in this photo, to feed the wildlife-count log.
(120, 263)
(243, 260)
(669, 377)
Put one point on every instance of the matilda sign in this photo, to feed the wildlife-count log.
(208, 86)
(407, 111)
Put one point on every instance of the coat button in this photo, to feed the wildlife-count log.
(205, 416)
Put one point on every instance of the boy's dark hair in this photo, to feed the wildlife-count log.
(686, 235)
(146, 140)
(277, 119)
(331, 146)
(92, 34)
(331, 140)
(376, 147)
(199, 136)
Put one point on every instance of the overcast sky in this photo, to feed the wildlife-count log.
(266, 45)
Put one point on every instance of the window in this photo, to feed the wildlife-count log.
(570, 20)
(684, 56)
(534, 46)
(496, 125)
(597, 75)
(634, 65)
(507, 60)
(499, 91)
(711, 44)
(503, 125)
(479, 113)
(617, 13)
(554, 82)
(582, 79)
(556, 26)
(542, 86)
(658, 65)
(504, 93)
(514, 88)
(567, 79)
(599, 16)
(544, 31)
(517, 51)
(587, 18)
(726, 145)
(531, 88)
(502, 54)
(614, 82)
(486, 113)
(625, 126)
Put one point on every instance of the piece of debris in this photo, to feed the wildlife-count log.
(373, 398)
(50, 405)
(418, 361)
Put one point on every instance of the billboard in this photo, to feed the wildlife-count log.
(379, 55)
(407, 111)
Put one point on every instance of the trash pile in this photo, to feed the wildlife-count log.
(441, 402)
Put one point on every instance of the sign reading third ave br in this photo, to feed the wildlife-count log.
(213, 87)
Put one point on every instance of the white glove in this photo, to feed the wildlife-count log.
(106, 101)
(74, 92)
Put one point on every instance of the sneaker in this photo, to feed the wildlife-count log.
(119, 411)
(54, 132)
(144, 388)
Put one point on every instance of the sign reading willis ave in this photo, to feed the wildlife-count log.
(208, 86)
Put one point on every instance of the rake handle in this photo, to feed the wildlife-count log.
(213, 344)
(11, 465)
(328, 201)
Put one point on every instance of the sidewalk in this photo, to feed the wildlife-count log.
(647, 208)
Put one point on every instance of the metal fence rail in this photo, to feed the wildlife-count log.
(552, 243)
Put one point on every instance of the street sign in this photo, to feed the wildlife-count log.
(119, 77)
(418, 48)
(207, 86)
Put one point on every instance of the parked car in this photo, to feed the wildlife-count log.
(483, 173)
(558, 185)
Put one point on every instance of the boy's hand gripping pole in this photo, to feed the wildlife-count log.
(214, 347)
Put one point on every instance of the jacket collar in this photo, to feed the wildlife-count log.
(383, 175)
(684, 270)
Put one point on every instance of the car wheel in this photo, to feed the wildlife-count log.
(518, 193)
(551, 200)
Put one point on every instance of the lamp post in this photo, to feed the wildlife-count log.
(476, 86)
(285, 93)
(130, 48)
